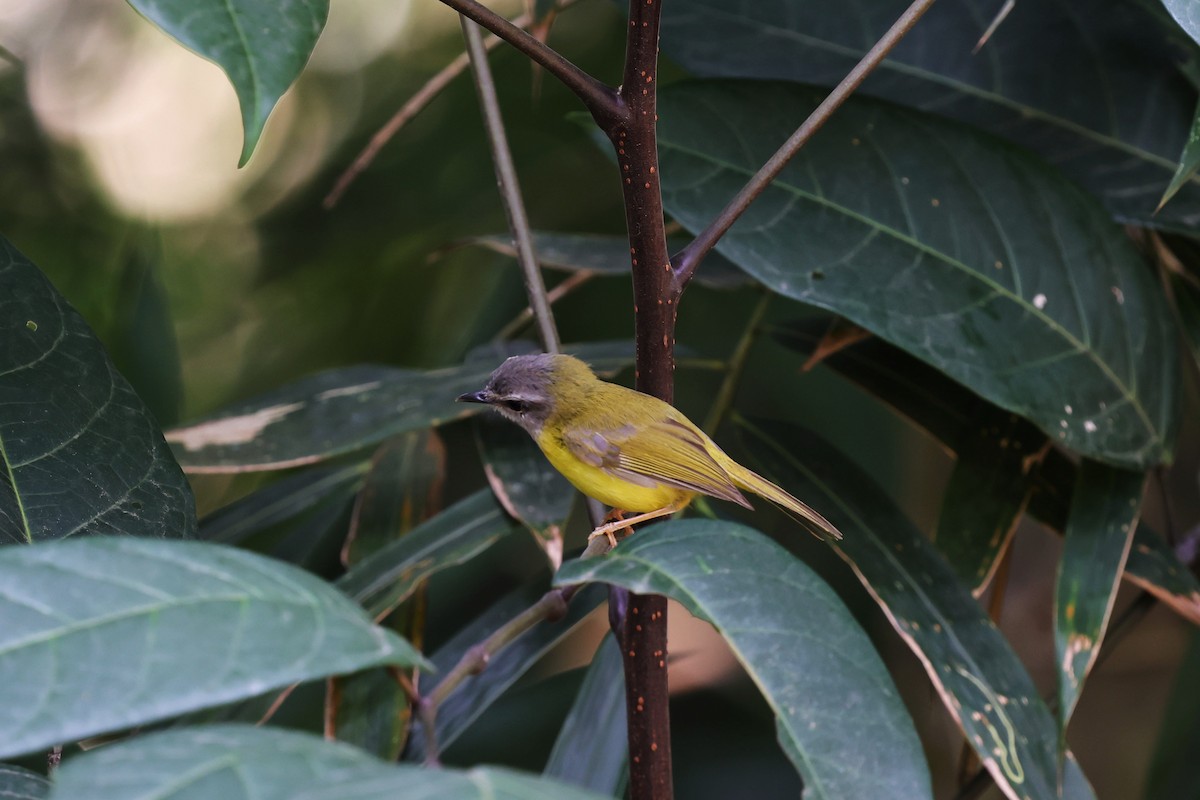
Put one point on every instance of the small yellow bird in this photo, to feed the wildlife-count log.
(626, 449)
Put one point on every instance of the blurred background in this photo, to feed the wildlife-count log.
(208, 284)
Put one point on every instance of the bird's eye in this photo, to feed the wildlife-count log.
(519, 406)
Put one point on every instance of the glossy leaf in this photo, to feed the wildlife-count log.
(284, 500)
(591, 749)
(1023, 291)
(831, 694)
(987, 493)
(608, 255)
(1187, 14)
(982, 683)
(402, 489)
(241, 762)
(939, 405)
(340, 411)
(1154, 567)
(21, 784)
(458, 534)
(530, 489)
(261, 47)
(80, 452)
(1115, 122)
(147, 629)
(476, 695)
(1189, 159)
(1104, 512)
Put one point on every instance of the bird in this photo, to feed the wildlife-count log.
(627, 449)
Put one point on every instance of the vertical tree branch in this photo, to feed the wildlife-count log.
(640, 621)
(510, 188)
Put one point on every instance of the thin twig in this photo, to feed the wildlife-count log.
(415, 105)
(687, 259)
(510, 187)
(599, 99)
(737, 364)
(552, 296)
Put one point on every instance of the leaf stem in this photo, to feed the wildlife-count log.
(688, 259)
(601, 100)
(737, 365)
(510, 187)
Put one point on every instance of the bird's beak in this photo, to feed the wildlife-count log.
(481, 396)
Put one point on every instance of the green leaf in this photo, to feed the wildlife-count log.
(987, 493)
(21, 784)
(607, 255)
(403, 488)
(282, 501)
(591, 749)
(1114, 117)
(341, 411)
(475, 696)
(937, 404)
(832, 696)
(147, 629)
(1173, 771)
(64, 411)
(461, 532)
(1185, 300)
(958, 248)
(530, 489)
(241, 762)
(1104, 512)
(982, 683)
(1187, 14)
(1189, 161)
(1154, 567)
(261, 47)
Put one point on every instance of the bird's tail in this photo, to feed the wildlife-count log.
(753, 482)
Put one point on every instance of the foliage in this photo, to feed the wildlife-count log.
(992, 255)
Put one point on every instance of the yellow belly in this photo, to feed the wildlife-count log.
(610, 490)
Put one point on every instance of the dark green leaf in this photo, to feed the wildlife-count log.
(1173, 771)
(1104, 512)
(982, 683)
(80, 452)
(241, 762)
(958, 248)
(21, 784)
(341, 411)
(591, 749)
(1185, 298)
(987, 494)
(1114, 117)
(371, 711)
(1189, 161)
(529, 488)
(938, 405)
(403, 488)
(1154, 567)
(476, 695)
(458, 534)
(608, 255)
(832, 696)
(280, 502)
(146, 629)
(261, 47)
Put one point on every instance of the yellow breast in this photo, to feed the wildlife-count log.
(616, 492)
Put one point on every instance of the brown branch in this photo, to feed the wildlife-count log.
(687, 259)
(599, 99)
(640, 621)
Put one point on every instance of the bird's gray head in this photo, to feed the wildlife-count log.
(520, 390)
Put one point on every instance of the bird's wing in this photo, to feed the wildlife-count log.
(668, 452)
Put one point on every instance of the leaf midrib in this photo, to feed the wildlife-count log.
(1126, 392)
